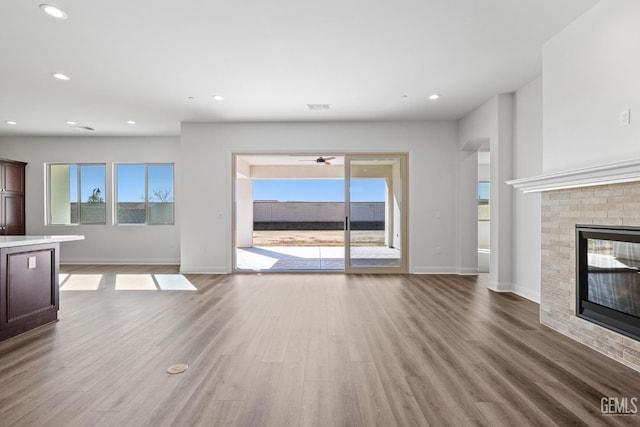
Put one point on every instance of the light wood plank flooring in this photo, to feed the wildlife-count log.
(303, 350)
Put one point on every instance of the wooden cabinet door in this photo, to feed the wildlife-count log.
(12, 177)
(29, 285)
(12, 183)
(12, 218)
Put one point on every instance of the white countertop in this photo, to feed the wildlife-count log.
(12, 241)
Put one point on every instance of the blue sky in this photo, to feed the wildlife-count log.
(92, 176)
(130, 181)
(483, 190)
(318, 190)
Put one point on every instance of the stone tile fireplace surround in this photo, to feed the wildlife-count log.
(594, 197)
(617, 204)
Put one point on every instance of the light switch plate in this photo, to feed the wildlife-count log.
(625, 117)
(32, 262)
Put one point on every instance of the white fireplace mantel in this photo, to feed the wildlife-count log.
(611, 173)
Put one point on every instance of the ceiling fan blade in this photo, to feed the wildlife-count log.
(326, 163)
(329, 158)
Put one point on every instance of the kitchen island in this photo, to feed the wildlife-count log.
(29, 291)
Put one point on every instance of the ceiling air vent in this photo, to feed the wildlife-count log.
(317, 107)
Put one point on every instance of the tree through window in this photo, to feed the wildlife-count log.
(144, 194)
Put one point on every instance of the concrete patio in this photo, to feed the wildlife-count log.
(313, 258)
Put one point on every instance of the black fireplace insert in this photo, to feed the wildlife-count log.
(608, 277)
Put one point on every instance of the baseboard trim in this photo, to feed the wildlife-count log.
(125, 261)
(435, 270)
(204, 270)
(468, 271)
(500, 287)
(528, 294)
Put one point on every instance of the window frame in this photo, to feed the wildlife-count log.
(48, 215)
(116, 220)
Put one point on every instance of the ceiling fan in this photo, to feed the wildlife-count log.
(319, 160)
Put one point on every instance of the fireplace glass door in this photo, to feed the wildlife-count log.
(614, 275)
(608, 277)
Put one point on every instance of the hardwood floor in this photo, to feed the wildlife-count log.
(303, 350)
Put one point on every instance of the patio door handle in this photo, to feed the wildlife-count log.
(346, 223)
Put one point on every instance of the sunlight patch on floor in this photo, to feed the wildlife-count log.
(174, 282)
(135, 282)
(126, 282)
(80, 282)
(249, 260)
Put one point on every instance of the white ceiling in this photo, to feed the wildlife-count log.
(290, 159)
(141, 60)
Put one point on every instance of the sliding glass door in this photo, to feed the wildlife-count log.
(375, 208)
(297, 224)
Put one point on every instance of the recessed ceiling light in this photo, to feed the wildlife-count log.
(71, 122)
(434, 97)
(53, 11)
(218, 97)
(131, 122)
(191, 97)
(11, 122)
(61, 76)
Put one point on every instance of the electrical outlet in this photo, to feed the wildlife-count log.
(625, 117)
(31, 263)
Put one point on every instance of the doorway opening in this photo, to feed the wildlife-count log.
(484, 213)
(295, 213)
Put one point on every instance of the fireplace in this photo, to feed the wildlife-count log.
(608, 195)
(608, 277)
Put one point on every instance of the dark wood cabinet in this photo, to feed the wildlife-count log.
(12, 202)
(29, 292)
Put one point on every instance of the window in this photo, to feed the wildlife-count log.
(483, 201)
(76, 194)
(144, 194)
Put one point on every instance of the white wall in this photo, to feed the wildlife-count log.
(490, 124)
(527, 162)
(591, 73)
(515, 217)
(205, 236)
(103, 243)
(468, 212)
(484, 171)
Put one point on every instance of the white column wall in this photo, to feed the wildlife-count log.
(468, 212)
(527, 207)
(244, 212)
(388, 212)
(396, 185)
(490, 122)
(501, 196)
